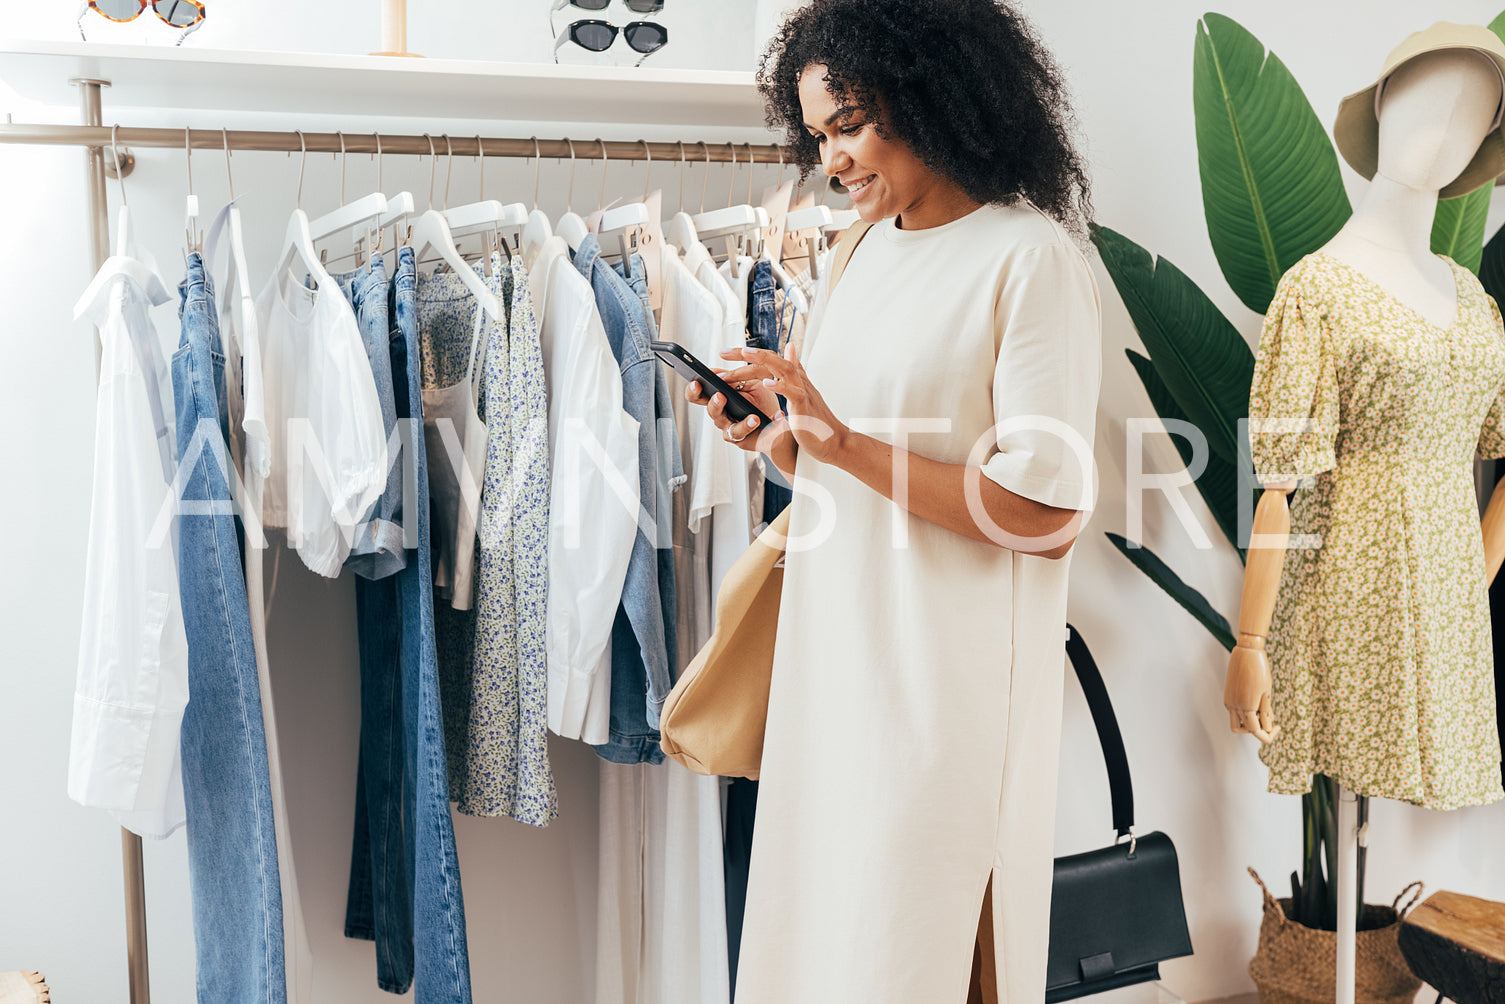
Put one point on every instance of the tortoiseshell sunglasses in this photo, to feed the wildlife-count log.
(186, 14)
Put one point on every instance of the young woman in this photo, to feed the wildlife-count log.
(938, 434)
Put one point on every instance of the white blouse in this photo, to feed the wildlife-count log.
(324, 422)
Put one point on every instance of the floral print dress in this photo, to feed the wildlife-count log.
(1380, 644)
(493, 674)
(503, 767)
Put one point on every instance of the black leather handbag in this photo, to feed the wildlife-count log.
(1115, 913)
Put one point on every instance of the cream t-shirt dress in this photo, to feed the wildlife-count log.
(915, 709)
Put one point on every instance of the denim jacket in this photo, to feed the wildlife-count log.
(640, 672)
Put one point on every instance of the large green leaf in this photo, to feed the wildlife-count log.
(1458, 226)
(1192, 601)
(1492, 266)
(1498, 25)
(1271, 189)
(1204, 362)
(1218, 481)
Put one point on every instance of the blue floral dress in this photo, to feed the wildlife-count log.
(501, 763)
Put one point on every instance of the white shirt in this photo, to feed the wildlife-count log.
(324, 423)
(661, 886)
(733, 528)
(738, 283)
(692, 317)
(133, 652)
(594, 496)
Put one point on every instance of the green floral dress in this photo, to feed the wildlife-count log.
(1380, 645)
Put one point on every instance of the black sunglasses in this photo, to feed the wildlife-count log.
(597, 36)
(636, 6)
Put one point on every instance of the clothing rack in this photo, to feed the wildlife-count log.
(95, 138)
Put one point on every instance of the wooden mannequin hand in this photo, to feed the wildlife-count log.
(1246, 694)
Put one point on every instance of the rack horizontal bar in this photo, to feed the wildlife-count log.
(330, 142)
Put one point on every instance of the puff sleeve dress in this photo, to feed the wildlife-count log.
(915, 706)
(1380, 644)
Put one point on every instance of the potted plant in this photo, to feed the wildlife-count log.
(1271, 194)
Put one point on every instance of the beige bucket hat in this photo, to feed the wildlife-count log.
(1357, 129)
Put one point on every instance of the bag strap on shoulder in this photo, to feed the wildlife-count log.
(1120, 786)
(849, 242)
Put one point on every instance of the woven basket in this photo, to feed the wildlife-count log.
(1298, 965)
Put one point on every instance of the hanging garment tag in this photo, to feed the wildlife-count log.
(776, 202)
(797, 244)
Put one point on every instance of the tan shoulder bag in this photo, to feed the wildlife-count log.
(714, 718)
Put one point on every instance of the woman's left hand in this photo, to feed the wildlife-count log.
(819, 433)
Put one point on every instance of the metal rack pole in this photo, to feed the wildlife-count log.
(99, 246)
(98, 136)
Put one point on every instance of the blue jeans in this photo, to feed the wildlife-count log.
(377, 550)
(404, 873)
(232, 847)
(763, 333)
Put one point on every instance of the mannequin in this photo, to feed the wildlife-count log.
(1386, 358)
(1434, 112)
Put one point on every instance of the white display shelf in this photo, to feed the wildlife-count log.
(190, 79)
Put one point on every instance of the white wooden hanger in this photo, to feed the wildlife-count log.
(399, 206)
(571, 225)
(298, 240)
(137, 267)
(487, 215)
(734, 224)
(624, 222)
(362, 212)
(432, 232)
(619, 219)
(632, 215)
(484, 216)
(238, 273)
(733, 221)
(813, 218)
(841, 219)
(680, 230)
(537, 230)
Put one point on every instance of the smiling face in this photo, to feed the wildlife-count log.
(882, 175)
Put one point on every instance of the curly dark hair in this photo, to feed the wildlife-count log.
(965, 84)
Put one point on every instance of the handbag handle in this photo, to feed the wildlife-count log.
(1120, 786)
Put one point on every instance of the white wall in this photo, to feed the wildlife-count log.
(530, 894)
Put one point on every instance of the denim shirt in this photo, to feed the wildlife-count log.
(671, 472)
(634, 737)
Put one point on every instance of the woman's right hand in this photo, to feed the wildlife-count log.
(741, 434)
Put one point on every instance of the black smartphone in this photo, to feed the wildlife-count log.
(738, 408)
